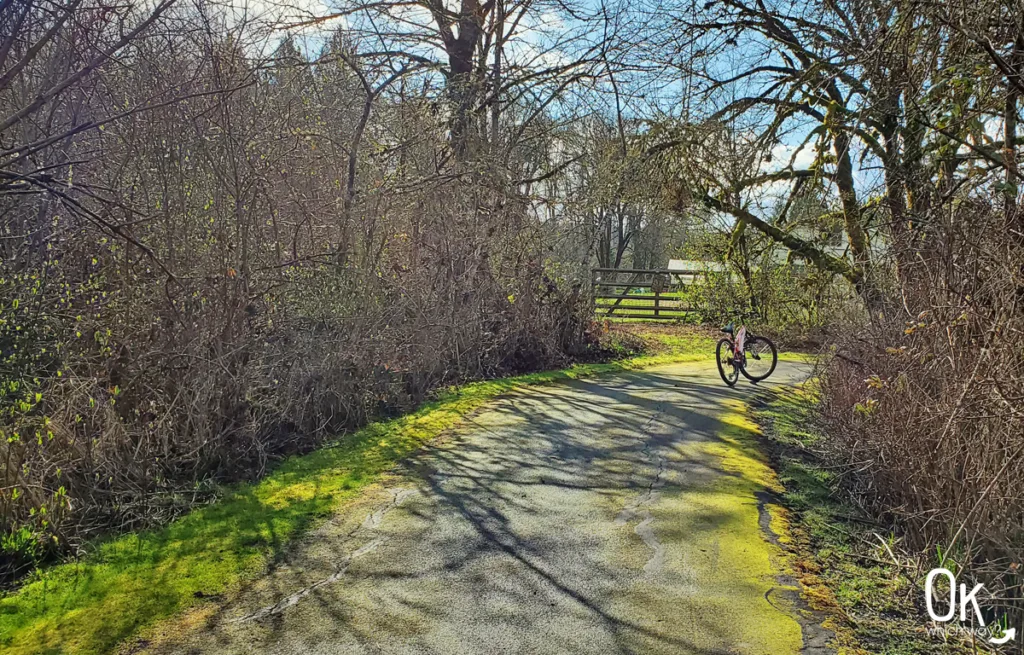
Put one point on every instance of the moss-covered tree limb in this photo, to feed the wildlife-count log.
(797, 245)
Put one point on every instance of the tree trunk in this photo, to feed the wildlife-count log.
(462, 82)
(1010, 150)
(857, 237)
(499, 35)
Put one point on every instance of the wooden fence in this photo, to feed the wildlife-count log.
(641, 293)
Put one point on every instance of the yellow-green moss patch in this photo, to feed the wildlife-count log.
(746, 550)
(717, 567)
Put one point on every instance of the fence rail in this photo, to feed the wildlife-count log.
(641, 293)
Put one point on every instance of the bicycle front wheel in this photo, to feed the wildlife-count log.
(726, 365)
(759, 358)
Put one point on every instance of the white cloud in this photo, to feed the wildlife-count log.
(782, 153)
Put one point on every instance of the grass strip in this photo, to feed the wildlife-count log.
(129, 582)
(843, 557)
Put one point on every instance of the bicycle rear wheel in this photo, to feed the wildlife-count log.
(724, 357)
(759, 358)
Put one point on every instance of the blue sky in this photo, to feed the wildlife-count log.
(549, 35)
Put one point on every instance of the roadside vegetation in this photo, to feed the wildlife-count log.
(123, 584)
(230, 233)
(857, 569)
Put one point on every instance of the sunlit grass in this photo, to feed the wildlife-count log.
(846, 569)
(129, 582)
(673, 304)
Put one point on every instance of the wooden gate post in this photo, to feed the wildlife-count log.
(657, 286)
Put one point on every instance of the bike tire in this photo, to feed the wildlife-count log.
(731, 378)
(749, 346)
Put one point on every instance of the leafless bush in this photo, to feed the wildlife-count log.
(925, 402)
(145, 416)
(257, 252)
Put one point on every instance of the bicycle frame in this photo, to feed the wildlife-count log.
(737, 344)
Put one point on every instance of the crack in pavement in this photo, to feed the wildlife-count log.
(372, 521)
(585, 518)
(293, 599)
(639, 507)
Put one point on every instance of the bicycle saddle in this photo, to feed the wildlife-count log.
(728, 329)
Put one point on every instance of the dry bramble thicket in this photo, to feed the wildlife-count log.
(224, 239)
(218, 249)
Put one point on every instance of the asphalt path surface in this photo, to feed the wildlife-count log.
(596, 516)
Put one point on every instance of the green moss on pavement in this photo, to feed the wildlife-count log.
(754, 562)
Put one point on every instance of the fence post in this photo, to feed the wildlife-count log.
(593, 292)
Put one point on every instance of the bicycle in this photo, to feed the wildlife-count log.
(745, 352)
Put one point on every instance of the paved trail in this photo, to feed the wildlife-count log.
(599, 516)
